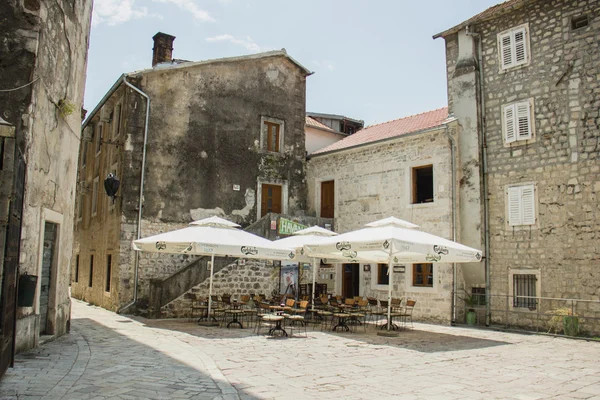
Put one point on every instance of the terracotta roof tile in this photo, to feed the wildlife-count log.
(486, 14)
(316, 124)
(391, 129)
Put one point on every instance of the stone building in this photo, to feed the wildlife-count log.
(42, 77)
(186, 140)
(409, 168)
(523, 80)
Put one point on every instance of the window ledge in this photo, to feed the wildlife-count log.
(422, 205)
(421, 289)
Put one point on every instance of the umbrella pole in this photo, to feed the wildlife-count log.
(210, 284)
(314, 283)
(390, 285)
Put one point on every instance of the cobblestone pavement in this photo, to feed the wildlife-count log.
(108, 356)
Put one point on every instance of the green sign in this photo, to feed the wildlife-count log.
(287, 227)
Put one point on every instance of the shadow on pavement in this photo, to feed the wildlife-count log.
(112, 361)
(416, 339)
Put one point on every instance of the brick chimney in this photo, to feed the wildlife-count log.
(163, 48)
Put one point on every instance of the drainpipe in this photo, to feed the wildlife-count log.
(141, 197)
(453, 168)
(486, 216)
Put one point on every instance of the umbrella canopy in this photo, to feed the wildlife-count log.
(214, 236)
(391, 241)
(311, 235)
(392, 236)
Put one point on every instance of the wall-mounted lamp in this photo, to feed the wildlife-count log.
(111, 186)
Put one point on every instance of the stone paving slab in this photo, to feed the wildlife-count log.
(108, 356)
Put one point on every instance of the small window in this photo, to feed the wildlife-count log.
(111, 200)
(517, 123)
(91, 277)
(521, 205)
(98, 138)
(80, 207)
(117, 121)
(513, 47)
(383, 277)
(84, 150)
(76, 268)
(478, 295)
(108, 272)
(95, 194)
(422, 184)
(273, 130)
(423, 275)
(524, 291)
(581, 21)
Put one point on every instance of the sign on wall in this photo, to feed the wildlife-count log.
(287, 227)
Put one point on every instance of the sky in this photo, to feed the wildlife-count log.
(373, 60)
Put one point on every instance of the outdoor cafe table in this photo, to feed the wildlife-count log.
(234, 311)
(277, 319)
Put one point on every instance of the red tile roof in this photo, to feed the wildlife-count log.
(493, 11)
(391, 129)
(316, 124)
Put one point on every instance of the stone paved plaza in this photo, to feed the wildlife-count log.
(109, 356)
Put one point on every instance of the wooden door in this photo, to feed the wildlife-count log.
(350, 280)
(8, 289)
(50, 233)
(270, 199)
(327, 199)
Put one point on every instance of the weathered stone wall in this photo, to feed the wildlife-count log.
(45, 45)
(255, 277)
(562, 159)
(374, 182)
(204, 138)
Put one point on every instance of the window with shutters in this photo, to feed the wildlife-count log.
(518, 122)
(513, 47)
(521, 208)
(271, 137)
(95, 191)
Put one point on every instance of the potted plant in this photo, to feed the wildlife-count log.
(563, 319)
(470, 302)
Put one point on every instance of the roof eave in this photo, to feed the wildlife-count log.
(472, 21)
(113, 88)
(433, 128)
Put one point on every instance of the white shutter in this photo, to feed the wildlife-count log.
(528, 202)
(523, 111)
(520, 54)
(510, 134)
(514, 206)
(506, 54)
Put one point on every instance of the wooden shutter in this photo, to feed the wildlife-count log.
(520, 48)
(327, 199)
(523, 111)
(514, 206)
(509, 123)
(506, 53)
(528, 202)
(521, 205)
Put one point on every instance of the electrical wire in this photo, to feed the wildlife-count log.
(20, 87)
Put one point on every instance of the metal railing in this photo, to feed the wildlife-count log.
(561, 316)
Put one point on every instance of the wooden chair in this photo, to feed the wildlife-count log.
(299, 315)
(289, 305)
(408, 311)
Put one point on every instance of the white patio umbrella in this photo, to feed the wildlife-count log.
(392, 241)
(311, 235)
(214, 236)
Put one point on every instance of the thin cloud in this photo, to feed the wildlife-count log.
(247, 43)
(114, 12)
(325, 64)
(191, 7)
